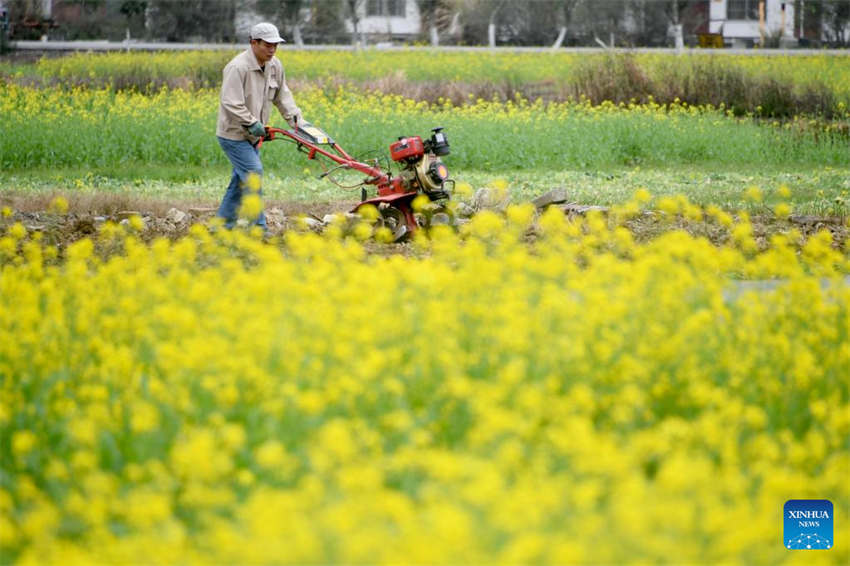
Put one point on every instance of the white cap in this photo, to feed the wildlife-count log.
(267, 32)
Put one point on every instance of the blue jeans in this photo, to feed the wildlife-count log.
(245, 160)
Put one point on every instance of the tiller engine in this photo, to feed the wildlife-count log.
(422, 172)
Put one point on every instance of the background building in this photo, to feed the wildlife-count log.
(622, 23)
(745, 23)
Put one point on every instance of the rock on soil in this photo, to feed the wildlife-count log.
(487, 198)
(555, 196)
(582, 209)
(176, 216)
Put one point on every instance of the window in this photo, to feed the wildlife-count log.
(742, 10)
(386, 8)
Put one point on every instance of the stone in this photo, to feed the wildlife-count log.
(555, 196)
(275, 218)
(311, 223)
(85, 225)
(125, 223)
(146, 221)
(201, 210)
(463, 210)
(440, 219)
(807, 219)
(176, 216)
(583, 208)
(487, 197)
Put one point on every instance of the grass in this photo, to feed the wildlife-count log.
(817, 190)
(162, 147)
(97, 129)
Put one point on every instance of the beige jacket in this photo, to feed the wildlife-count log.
(246, 92)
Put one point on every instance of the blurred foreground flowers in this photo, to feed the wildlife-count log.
(481, 398)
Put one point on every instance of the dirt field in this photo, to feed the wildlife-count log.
(172, 219)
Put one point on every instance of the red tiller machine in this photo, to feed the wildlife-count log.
(422, 172)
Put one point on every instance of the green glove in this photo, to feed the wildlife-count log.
(257, 130)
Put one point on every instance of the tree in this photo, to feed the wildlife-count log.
(494, 7)
(601, 19)
(25, 18)
(353, 13)
(685, 17)
(134, 12)
(326, 23)
(286, 12)
(650, 21)
(481, 19)
(677, 25)
(208, 20)
(836, 20)
(429, 14)
(564, 17)
(4, 29)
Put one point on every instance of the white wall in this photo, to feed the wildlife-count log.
(410, 24)
(749, 29)
(774, 18)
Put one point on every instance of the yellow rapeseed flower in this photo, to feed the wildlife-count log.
(253, 183)
(463, 190)
(476, 393)
(59, 205)
(23, 442)
(252, 206)
(642, 195)
(753, 194)
(782, 210)
(17, 231)
(137, 223)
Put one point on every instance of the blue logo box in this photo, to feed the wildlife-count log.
(808, 524)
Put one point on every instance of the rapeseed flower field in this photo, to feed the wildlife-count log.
(198, 69)
(82, 127)
(525, 388)
(529, 389)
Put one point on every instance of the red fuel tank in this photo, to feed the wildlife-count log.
(407, 148)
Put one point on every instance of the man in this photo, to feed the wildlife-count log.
(251, 80)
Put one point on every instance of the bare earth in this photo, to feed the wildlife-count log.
(172, 219)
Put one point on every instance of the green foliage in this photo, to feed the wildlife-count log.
(783, 86)
(207, 20)
(98, 128)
